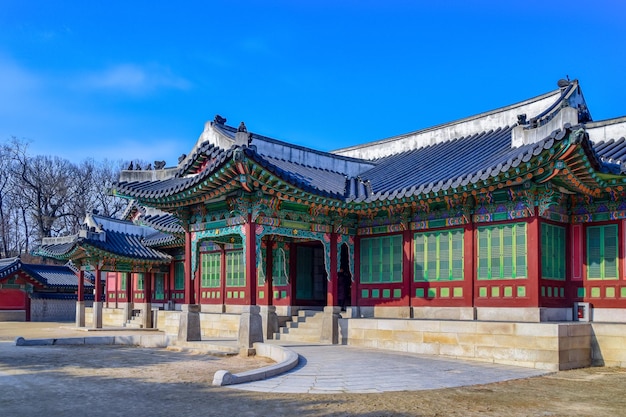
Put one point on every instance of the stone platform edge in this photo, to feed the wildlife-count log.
(151, 341)
(286, 359)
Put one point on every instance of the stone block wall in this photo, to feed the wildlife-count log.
(168, 321)
(113, 317)
(608, 344)
(219, 325)
(42, 309)
(12, 315)
(549, 346)
(212, 325)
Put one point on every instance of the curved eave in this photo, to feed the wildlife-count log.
(96, 252)
(208, 186)
(64, 256)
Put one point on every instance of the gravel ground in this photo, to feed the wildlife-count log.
(116, 380)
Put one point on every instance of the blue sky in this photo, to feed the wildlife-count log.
(138, 79)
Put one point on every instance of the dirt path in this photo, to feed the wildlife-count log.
(113, 380)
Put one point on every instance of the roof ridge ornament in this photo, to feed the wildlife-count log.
(242, 137)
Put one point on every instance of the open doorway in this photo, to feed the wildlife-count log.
(311, 280)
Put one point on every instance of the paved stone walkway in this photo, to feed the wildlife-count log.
(329, 369)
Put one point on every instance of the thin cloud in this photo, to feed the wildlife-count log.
(133, 79)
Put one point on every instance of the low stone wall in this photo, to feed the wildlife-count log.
(608, 344)
(549, 346)
(219, 325)
(168, 321)
(212, 325)
(113, 317)
(12, 315)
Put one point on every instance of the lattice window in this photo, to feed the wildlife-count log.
(123, 280)
(235, 271)
(211, 264)
(179, 276)
(279, 267)
(552, 252)
(502, 251)
(140, 281)
(438, 256)
(159, 286)
(602, 252)
(381, 259)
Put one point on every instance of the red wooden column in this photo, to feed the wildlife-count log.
(80, 295)
(251, 276)
(533, 261)
(189, 289)
(469, 265)
(97, 300)
(147, 291)
(223, 275)
(97, 286)
(332, 294)
(129, 287)
(407, 268)
(356, 296)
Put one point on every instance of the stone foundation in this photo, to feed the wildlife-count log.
(608, 344)
(444, 313)
(512, 314)
(12, 315)
(609, 315)
(550, 346)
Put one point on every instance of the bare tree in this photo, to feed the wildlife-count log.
(44, 184)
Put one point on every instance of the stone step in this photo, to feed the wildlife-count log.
(297, 338)
(302, 331)
(308, 313)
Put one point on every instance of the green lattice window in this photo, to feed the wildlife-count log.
(502, 251)
(140, 283)
(552, 252)
(279, 267)
(602, 252)
(211, 269)
(438, 256)
(381, 259)
(159, 286)
(179, 276)
(123, 280)
(235, 271)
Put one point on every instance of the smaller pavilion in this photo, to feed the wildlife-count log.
(115, 251)
(37, 292)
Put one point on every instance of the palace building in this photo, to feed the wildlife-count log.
(514, 215)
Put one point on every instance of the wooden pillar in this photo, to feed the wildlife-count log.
(332, 294)
(533, 261)
(407, 266)
(97, 300)
(251, 276)
(355, 296)
(223, 275)
(80, 295)
(97, 285)
(189, 289)
(147, 290)
(469, 265)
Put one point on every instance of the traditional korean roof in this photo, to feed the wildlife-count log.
(46, 276)
(104, 237)
(152, 217)
(502, 147)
